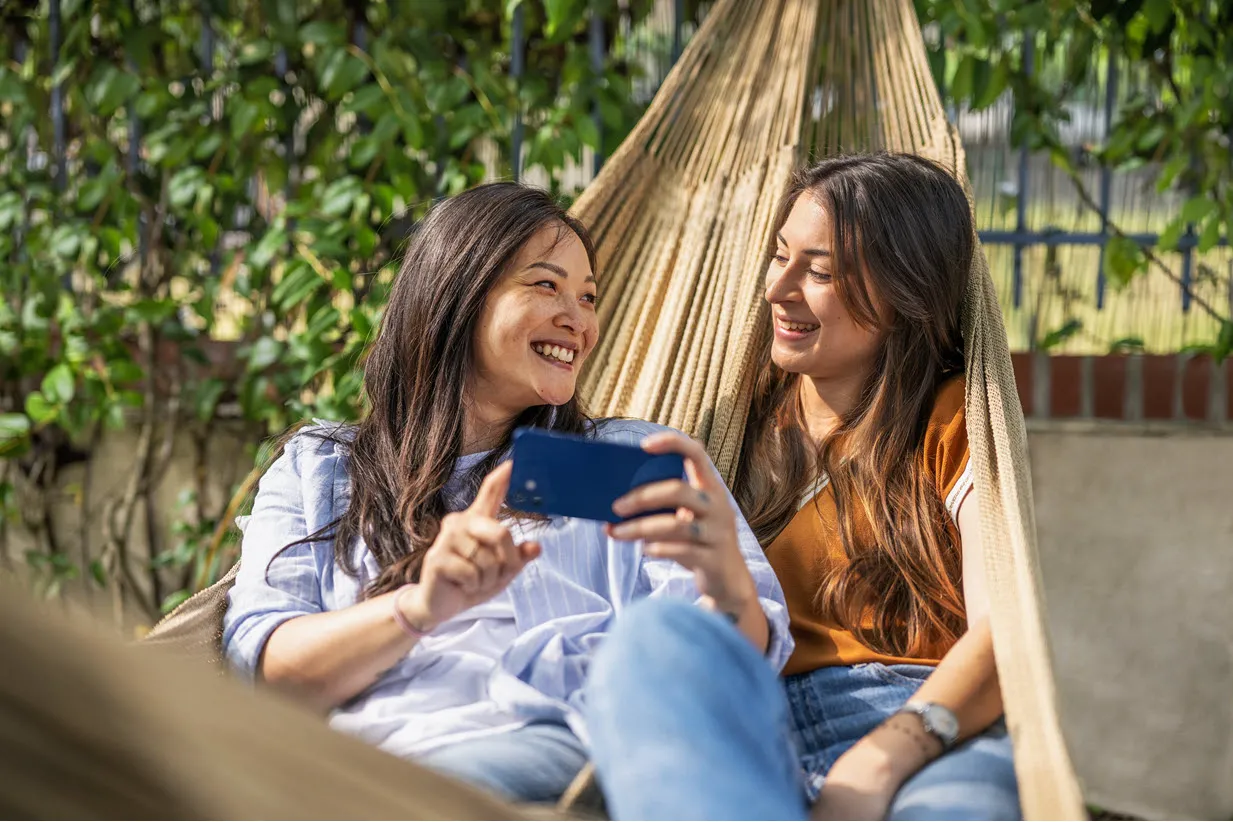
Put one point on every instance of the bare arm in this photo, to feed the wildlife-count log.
(863, 780)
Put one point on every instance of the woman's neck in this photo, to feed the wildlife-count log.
(484, 426)
(827, 400)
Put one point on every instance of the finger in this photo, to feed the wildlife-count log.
(489, 563)
(698, 465)
(496, 537)
(657, 496)
(492, 492)
(524, 554)
(687, 554)
(460, 572)
(658, 528)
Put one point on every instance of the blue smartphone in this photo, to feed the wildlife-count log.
(566, 475)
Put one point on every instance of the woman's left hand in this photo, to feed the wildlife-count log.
(700, 535)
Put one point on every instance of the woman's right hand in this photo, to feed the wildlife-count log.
(472, 559)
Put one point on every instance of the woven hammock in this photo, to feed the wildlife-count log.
(681, 214)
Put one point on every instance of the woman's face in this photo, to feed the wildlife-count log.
(538, 326)
(814, 333)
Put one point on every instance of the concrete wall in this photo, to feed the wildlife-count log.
(1136, 538)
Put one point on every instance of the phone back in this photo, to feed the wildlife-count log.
(570, 476)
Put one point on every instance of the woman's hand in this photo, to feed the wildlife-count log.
(700, 535)
(472, 559)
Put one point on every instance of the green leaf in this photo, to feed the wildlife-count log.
(1224, 342)
(109, 88)
(992, 86)
(65, 241)
(562, 16)
(273, 242)
(1172, 234)
(183, 186)
(961, 84)
(265, 352)
(338, 196)
(39, 409)
(341, 72)
(1209, 237)
(14, 428)
(1196, 208)
(325, 320)
(1060, 335)
(59, 384)
(588, 132)
(322, 33)
(1158, 13)
(1123, 259)
(299, 282)
(1171, 170)
(98, 573)
(208, 395)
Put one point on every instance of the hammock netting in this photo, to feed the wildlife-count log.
(681, 214)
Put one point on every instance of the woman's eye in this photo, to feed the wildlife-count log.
(820, 276)
(590, 298)
(548, 284)
(782, 259)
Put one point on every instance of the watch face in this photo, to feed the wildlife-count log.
(942, 722)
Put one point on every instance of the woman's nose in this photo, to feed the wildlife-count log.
(778, 285)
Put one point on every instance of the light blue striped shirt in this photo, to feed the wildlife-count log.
(563, 604)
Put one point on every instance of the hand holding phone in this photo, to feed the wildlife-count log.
(691, 522)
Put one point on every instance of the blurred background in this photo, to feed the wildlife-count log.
(202, 204)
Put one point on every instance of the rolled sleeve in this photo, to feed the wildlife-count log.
(273, 585)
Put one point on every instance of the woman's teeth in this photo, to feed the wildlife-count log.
(791, 326)
(556, 352)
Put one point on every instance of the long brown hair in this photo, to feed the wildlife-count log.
(403, 452)
(902, 240)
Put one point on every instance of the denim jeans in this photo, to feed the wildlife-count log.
(535, 763)
(688, 721)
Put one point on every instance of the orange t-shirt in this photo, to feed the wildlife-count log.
(809, 549)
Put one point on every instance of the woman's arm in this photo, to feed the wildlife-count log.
(864, 780)
(329, 657)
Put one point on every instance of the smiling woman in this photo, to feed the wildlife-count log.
(382, 580)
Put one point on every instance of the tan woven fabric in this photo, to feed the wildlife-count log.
(92, 729)
(682, 213)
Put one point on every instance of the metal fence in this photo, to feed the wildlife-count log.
(1025, 242)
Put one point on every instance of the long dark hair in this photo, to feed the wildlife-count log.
(403, 452)
(903, 239)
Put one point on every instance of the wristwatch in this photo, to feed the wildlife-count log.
(937, 719)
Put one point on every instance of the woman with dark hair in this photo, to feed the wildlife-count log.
(381, 579)
(855, 475)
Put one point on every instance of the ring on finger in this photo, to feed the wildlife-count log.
(470, 554)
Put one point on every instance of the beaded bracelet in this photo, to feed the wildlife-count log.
(404, 623)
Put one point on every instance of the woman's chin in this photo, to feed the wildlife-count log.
(553, 395)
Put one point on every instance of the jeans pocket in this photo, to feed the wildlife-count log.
(904, 676)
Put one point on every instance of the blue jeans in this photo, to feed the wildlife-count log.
(535, 763)
(687, 721)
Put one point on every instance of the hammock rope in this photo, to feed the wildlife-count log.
(681, 214)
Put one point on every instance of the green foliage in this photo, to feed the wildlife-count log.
(238, 254)
(1178, 119)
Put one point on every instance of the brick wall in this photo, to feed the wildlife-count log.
(1177, 387)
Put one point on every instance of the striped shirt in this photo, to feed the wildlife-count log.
(520, 657)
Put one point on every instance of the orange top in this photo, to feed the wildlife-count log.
(810, 548)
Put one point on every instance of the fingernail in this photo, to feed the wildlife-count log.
(619, 507)
(618, 531)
